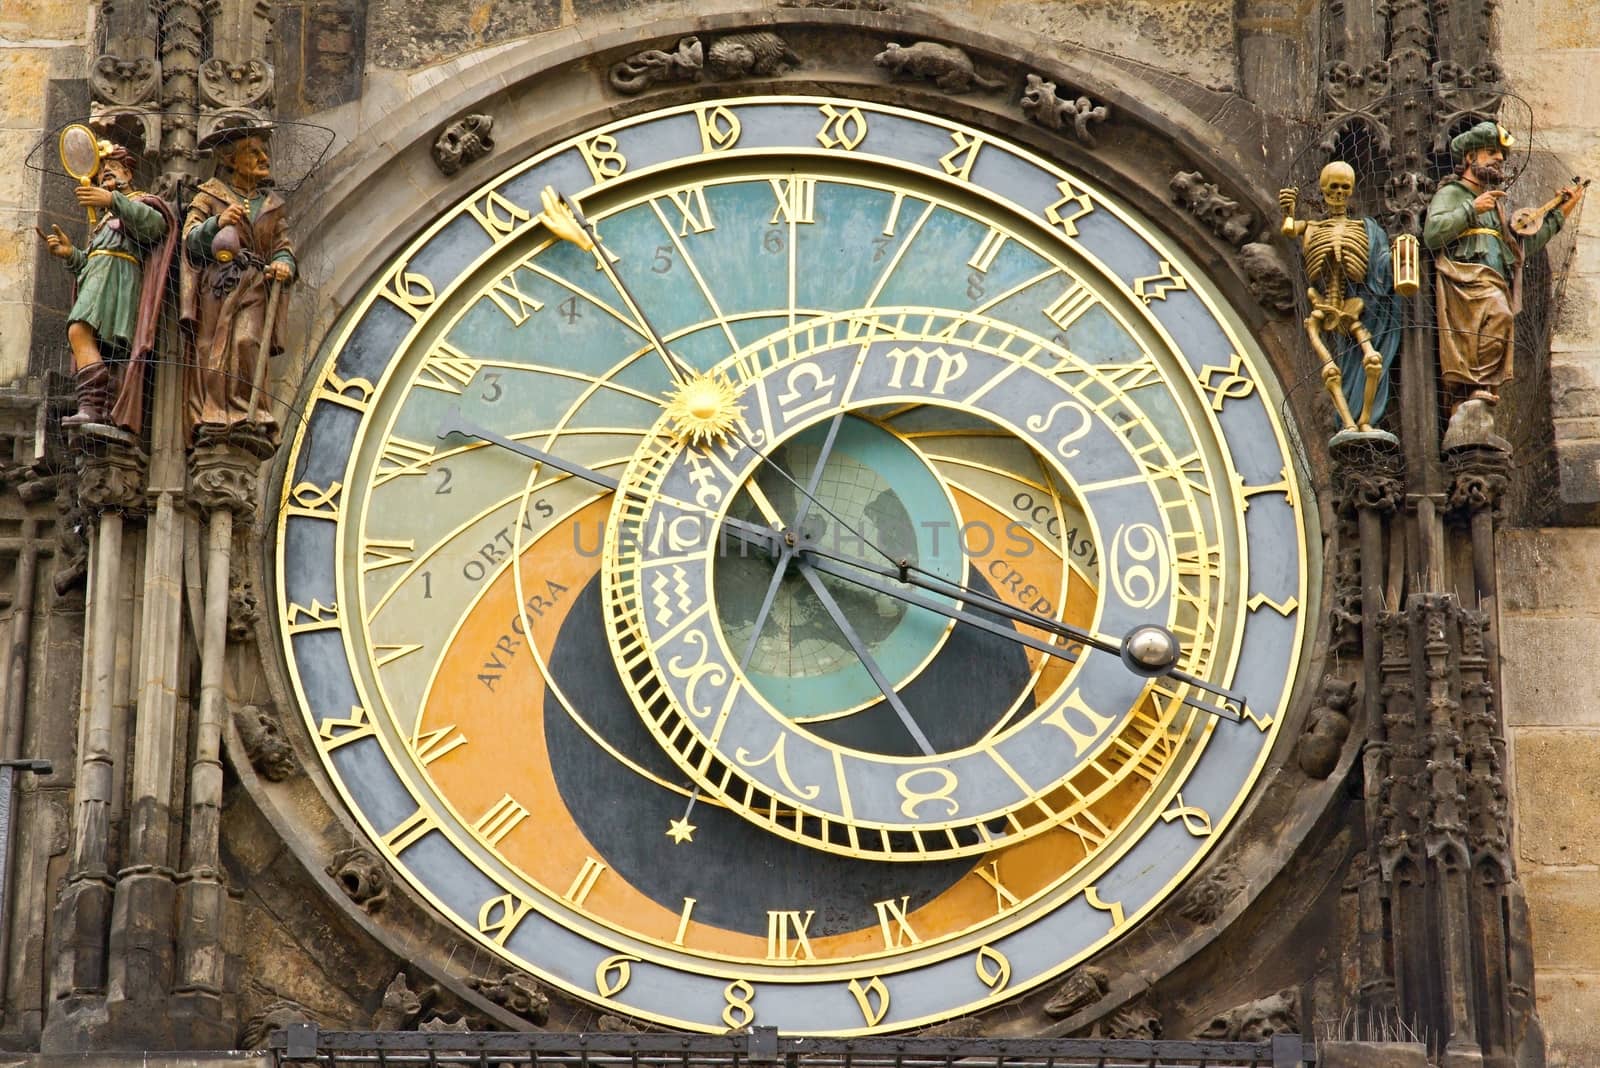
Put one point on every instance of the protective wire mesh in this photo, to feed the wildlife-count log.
(163, 289)
(1398, 198)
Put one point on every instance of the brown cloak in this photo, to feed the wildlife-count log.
(128, 410)
(224, 308)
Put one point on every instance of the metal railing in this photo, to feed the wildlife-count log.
(762, 1047)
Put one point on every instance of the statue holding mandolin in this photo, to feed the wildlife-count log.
(1480, 249)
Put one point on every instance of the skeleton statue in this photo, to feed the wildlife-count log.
(1353, 298)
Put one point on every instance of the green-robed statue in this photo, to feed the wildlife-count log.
(121, 279)
(1478, 266)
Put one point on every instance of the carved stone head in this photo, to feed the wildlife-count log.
(463, 141)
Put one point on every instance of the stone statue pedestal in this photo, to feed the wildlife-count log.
(1472, 425)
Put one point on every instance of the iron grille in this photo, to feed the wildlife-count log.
(762, 1047)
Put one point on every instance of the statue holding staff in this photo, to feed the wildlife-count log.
(1478, 269)
(237, 258)
(1354, 297)
(121, 277)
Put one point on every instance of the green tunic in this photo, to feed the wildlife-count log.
(108, 284)
(1450, 213)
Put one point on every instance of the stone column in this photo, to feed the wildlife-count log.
(1368, 477)
(183, 34)
(223, 485)
(110, 483)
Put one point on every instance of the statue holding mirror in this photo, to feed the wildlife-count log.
(120, 272)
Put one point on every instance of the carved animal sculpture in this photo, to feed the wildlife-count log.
(643, 69)
(1041, 104)
(949, 68)
(742, 55)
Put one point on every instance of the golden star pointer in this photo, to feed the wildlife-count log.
(681, 831)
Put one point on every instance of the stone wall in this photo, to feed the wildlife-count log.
(1550, 606)
(40, 40)
(1191, 38)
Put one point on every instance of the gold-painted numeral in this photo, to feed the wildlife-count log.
(613, 974)
(501, 819)
(1003, 897)
(1196, 820)
(993, 968)
(1091, 894)
(984, 255)
(411, 291)
(957, 162)
(719, 128)
(1089, 829)
(683, 920)
(738, 1012)
(787, 934)
(914, 797)
(402, 457)
(1189, 468)
(894, 924)
(873, 998)
(437, 743)
(499, 916)
(796, 200)
(1081, 739)
(1069, 307)
(841, 129)
(694, 212)
(517, 305)
(379, 553)
(384, 655)
(584, 881)
(315, 502)
(1231, 386)
(1286, 607)
(1283, 486)
(497, 215)
(780, 764)
(411, 830)
(342, 730)
(951, 366)
(1136, 374)
(600, 155)
(319, 616)
(352, 393)
(1074, 204)
(894, 213)
(1157, 286)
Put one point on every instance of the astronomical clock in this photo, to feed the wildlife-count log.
(792, 561)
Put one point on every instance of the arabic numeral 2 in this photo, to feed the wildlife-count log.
(773, 241)
(445, 475)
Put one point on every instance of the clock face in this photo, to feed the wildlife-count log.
(689, 618)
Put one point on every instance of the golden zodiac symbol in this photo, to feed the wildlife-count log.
(678, 668)
(915, 798)
(1039, 424)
